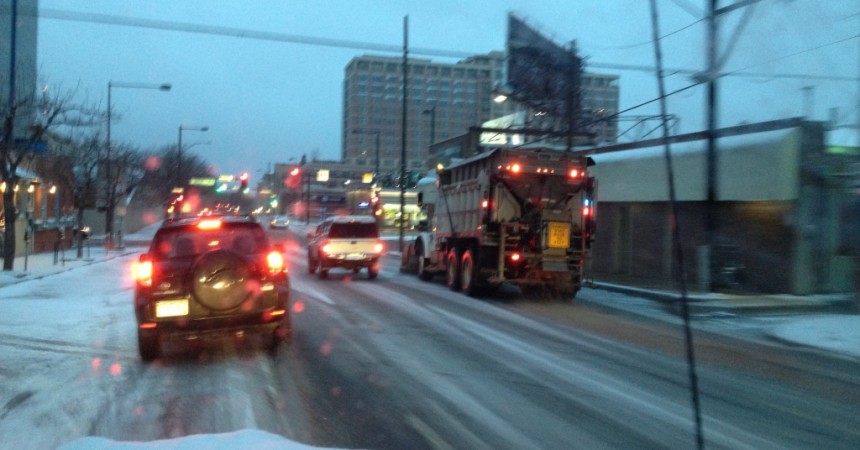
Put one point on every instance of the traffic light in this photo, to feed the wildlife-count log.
(294, 178)
(243, 182)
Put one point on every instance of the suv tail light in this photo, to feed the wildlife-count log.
(275, 262)
(325, 247)
(378, 247)
(142, 272)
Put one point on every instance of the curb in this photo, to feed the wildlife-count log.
(728, 304)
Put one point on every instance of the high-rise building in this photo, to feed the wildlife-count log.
(444, 101)
(24, 71)
(600, 102)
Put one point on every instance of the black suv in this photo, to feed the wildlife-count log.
(210, 275)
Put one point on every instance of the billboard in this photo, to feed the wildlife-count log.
(542, 74)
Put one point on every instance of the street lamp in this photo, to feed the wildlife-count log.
(180, 182)
(53, 191)
(111, 188)
(375, 133)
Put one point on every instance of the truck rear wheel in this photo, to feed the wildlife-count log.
(467, 274)
(312, 265)
(453, 271)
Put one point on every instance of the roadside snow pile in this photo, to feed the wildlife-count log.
(839, 333)
(237, 440)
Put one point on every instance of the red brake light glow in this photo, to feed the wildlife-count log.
(142, 271)
(586, 211)
(377, 248)
(275, 261)
(209, 224)
(515, 256)
(326, 247)
(516, 168)
(573, 173)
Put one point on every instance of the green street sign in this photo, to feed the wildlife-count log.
(202, 182)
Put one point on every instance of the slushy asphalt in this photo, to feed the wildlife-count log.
(809, 321)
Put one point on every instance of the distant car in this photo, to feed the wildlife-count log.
(210, 275)
(282, 222)
(348, 242)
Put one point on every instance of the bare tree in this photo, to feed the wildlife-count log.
(76, 170)
(155, 189)
(128, 168)
(49, 112)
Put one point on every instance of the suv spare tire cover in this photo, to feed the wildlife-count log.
(222, 279)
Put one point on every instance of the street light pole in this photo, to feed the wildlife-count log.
(111, 187)
(179, 181)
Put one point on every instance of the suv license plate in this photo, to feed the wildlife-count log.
(171, 308)
(354, 256)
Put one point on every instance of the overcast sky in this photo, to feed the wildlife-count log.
(266, 101)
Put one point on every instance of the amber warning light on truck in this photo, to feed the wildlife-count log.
(574, 173)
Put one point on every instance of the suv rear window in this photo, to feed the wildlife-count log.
(353, 230)
(189, 241)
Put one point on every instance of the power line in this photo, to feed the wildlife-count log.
(185, 27)
(640, 44)
(242, 33)
(801, 52)
(739, 73)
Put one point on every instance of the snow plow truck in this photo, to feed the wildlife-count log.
(508, 215)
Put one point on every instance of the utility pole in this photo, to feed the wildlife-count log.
(711, 176)
(710, 77)
(9, 168)
(403, 130)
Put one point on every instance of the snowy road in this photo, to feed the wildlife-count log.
(401, 363)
